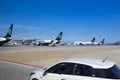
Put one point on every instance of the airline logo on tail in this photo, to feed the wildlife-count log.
(9, 33)
(57, 40)
(59, 36)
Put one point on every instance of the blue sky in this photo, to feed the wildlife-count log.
(80, 20)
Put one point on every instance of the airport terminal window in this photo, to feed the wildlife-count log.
(62, 68)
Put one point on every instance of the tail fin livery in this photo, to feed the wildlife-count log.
(59, 36)
(102, 42)
(93, 40)
(9, 33)
(57, 40)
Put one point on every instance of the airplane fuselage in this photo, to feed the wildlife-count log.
(49, 42)
(86, 43)
(4, 40)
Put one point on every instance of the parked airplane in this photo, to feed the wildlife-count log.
(7, 37)
(101, 42)
(49, 42)
(92, 42)
(85, 43)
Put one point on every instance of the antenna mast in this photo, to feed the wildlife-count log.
(105, 59)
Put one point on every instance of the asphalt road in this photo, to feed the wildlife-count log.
(13, 71)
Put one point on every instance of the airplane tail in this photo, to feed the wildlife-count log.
(102, 42)
(57, 40)
(59, 37)
(9, 33)
(93, 40)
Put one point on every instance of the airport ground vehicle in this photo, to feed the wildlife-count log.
(79, 69)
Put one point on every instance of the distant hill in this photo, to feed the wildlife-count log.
(116, 43)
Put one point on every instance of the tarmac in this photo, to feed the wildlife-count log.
(45, 56)
(19, 56)
(13, 71)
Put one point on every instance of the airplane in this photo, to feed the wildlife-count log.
(85, 43)
(92, 42)
(49, 42)
(101, 42)
(7, 37)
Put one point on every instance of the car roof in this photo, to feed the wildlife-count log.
(95, 63)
